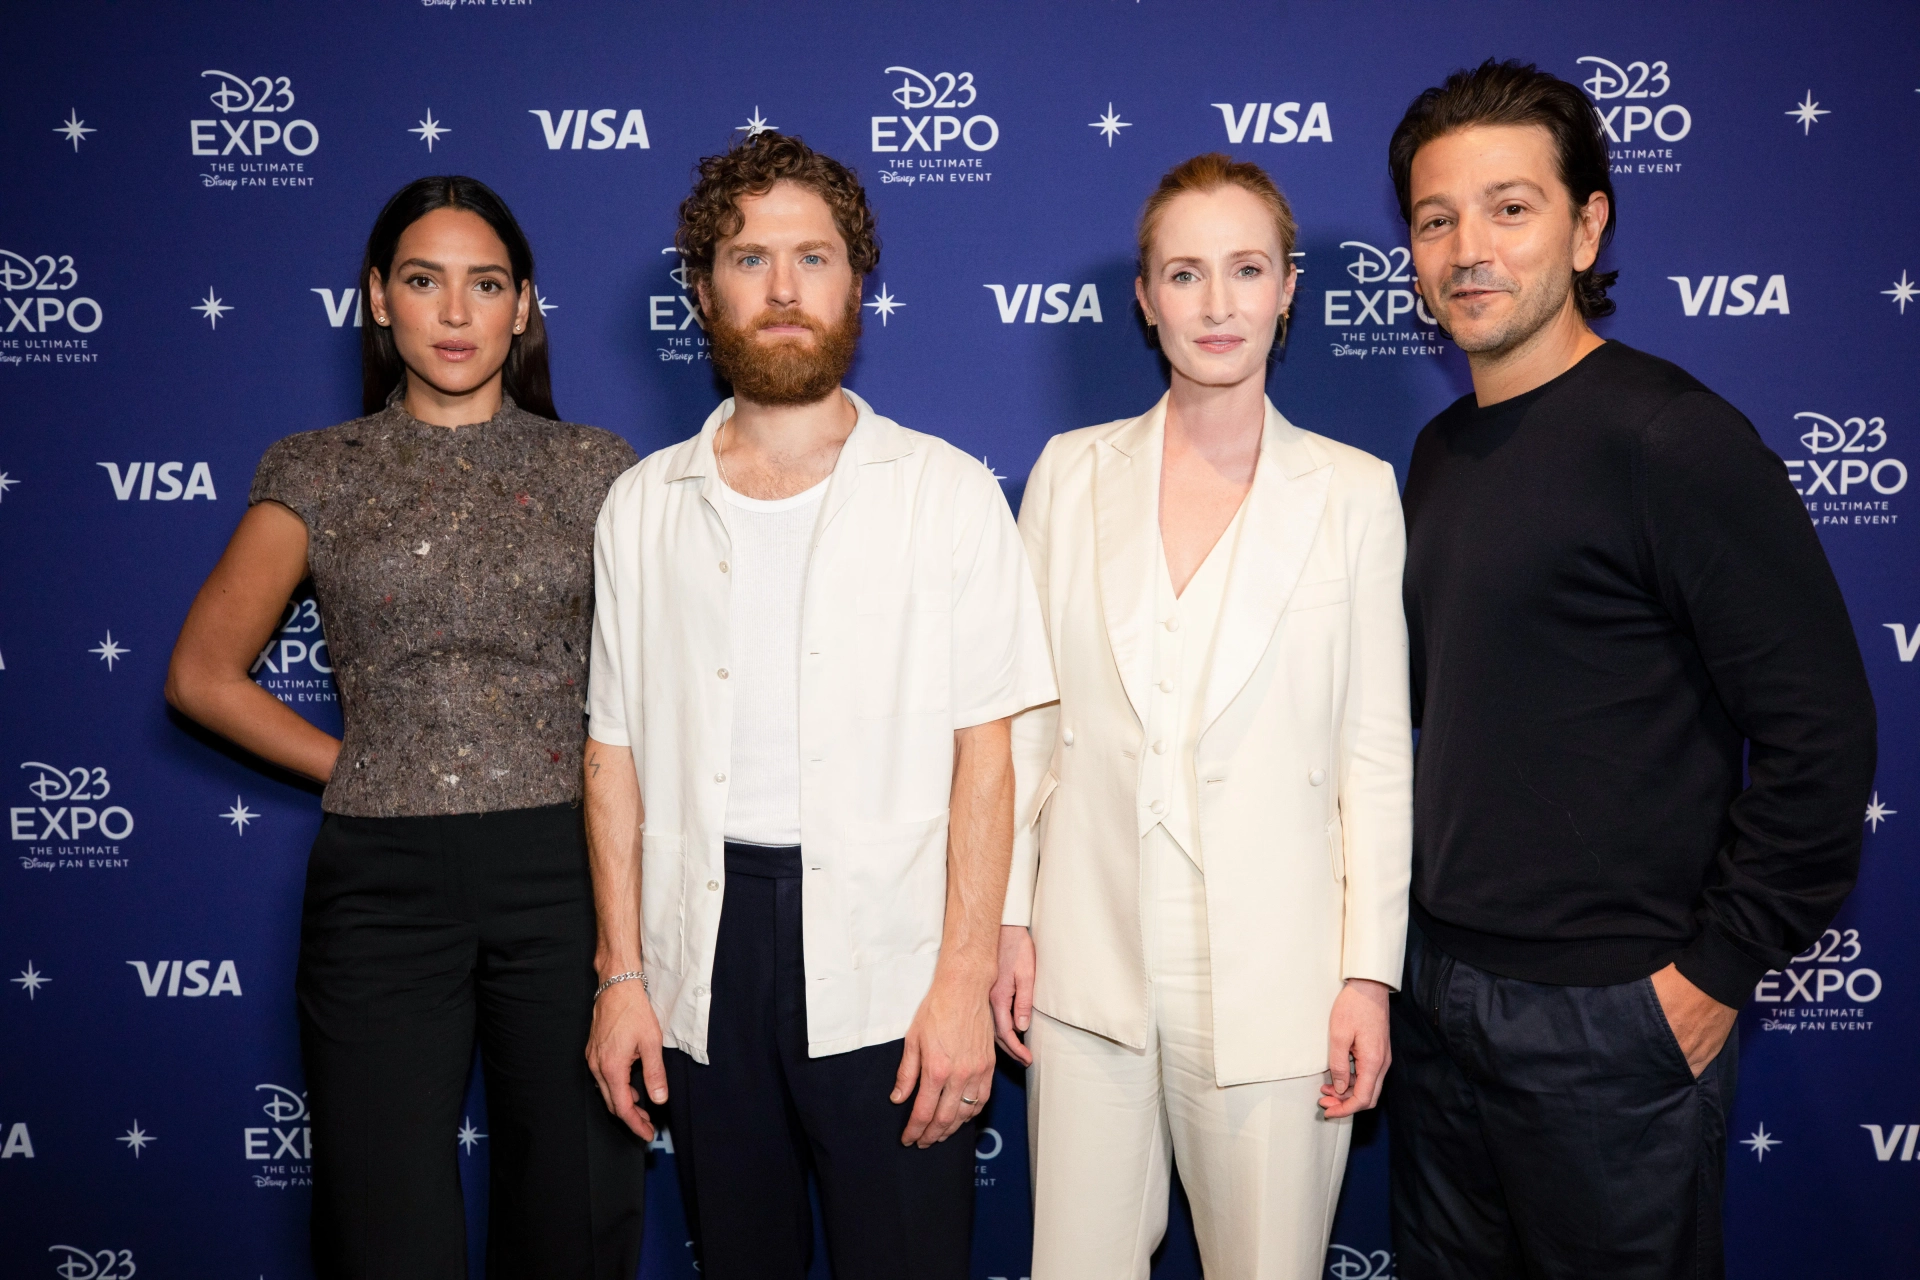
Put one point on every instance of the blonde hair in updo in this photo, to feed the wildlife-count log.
(1210, 172)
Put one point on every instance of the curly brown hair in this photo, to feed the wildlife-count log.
(750, 168)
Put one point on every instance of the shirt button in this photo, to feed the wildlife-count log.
(1067, 737)
(719, 777)
(1173, 624)
(1317, 777)
(1158, 806)
(713, 884)
(722, 673)
(1160, 748)
(1166, 686)
(723, 566)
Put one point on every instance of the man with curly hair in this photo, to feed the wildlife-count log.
(812, 627)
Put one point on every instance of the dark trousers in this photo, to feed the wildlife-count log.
(1550, 1133)
(416, 934)
(749, 1126)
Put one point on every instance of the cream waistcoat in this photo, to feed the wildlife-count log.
(1183, 638)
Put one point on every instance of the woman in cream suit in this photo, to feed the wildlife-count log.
(1208, 899)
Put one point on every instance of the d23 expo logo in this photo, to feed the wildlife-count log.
(1627, 101)
(74, 1263)
(1822, 990)
(46, 321)
(255, 141)
(282, 1149)
(296, 665)
(935, 120)
(67, 827)
(985, 1151)
(1368, 316)
(1344, 1262)
(676, 314)
(1847, 477)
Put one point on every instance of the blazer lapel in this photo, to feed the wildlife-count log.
(1277, 530)
(1126, 503)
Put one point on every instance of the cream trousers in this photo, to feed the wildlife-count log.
(1106, 1123)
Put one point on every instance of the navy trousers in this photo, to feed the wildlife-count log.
(749, 1126)
(1549, 1133)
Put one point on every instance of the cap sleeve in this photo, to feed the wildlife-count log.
(287, 474)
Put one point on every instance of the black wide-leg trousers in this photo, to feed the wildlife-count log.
(417, 935)
(748, 1126)
(1545, 1132)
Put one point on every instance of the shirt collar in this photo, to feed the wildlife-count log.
(875, 438)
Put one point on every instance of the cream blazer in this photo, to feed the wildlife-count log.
(1305, 754)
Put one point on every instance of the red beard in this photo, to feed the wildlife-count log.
(786, 371)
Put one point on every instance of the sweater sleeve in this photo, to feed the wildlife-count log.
(1736, 561)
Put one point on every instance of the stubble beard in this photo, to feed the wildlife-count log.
(784, 372)
(1533, 309)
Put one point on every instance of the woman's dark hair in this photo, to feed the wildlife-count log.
(525, 376)
(1517, 93)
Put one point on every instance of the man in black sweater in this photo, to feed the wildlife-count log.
(1612, 593)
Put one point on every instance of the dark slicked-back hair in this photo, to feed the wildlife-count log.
(750, 168)
(525, 376)
(1517, 93)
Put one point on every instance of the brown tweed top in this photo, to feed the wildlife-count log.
(454, 572)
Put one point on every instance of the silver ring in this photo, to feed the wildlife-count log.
(972, 1102)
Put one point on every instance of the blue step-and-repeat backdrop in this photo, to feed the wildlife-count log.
(187, 194)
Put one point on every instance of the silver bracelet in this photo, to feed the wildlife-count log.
(618, 978)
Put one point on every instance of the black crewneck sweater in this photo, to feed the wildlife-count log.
(1613, 591)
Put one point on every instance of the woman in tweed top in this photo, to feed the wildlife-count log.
(448, 535)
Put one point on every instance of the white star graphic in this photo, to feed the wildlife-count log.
(885, 304)
(1807, 114)
(239, 816)
(1903, 292)
(212, 308)
(754, 126)
(136, 1139)
(430, 130)
(468, 1137)
(31, 980)
(989, 466)
(1110, 125)
(540, 300)
(1761, 1142)
(1878, 813)
(6, 482)
(109, 651)
(76, 129)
